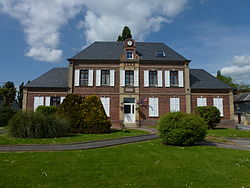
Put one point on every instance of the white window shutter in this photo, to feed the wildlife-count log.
(180, 78)
(156, 107)
(136, 78)
(112, 77)
(36, 102)
(61, 99)
(167, 79)
(106, 105)
(90, 80)
(159, 77)
(151, 107)
(41, 101)
(218, 102)
(98, 77)
(47, 101)
(172, 104)
(146, 78)
(177, 104)
(201, 101)
(77, 77)
(122, 77)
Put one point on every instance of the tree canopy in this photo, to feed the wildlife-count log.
(8, 93)
(126, 33)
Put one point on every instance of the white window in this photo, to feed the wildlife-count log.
(167, 78)
(129, 54)
(106, 105)
(218, 102)
(105, 77)
(62, 98)
(136, 78)
(122, 78)
(77, 77)
(174, 104)
(180, 78)
(38, 101)
(47, 101)
(146, 78)
(153, 107)
(201, 101)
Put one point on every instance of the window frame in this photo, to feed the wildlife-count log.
(129, 78)
(129, 54)
(105, 77)
(153, 78)
(160, 53)
(174, 78)
(83, 80)
(56, 102)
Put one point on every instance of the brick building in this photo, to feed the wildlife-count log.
(137, 82)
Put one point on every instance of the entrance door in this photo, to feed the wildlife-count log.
(129, 110)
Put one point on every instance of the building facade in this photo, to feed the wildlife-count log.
(137, 82)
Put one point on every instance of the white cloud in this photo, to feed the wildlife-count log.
(102, 20)
(239, 68)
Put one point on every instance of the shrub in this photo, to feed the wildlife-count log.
(46, 110)
(211, 115)
(95, 118)
(6, 114)
(70, 109)
(36, 125)
(182, 129)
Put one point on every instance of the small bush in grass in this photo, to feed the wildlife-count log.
(46, 110)
(36, 125)
(6, 114)
(182, 129)
(95, 118)
(211, 115)
(70, 109)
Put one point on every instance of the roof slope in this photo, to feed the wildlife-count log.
(242, 97)
(201, 79)
(55, 78)
(113, 51)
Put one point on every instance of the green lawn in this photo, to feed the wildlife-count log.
(69, 138)
(146, 164)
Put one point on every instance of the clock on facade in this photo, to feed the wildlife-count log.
(129, 43)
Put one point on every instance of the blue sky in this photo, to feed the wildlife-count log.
(36, 36)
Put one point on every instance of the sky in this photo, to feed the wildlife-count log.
(36, 35)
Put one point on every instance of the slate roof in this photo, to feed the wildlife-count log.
(55, 78)
(201, 79)
(113, 50)
(242, 97)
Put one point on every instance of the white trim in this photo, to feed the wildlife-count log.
(77, 78)
(146, 78)
(90, 80)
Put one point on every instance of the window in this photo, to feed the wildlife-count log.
(55, 101)
(84, 77)
(153, 78)
(218, 102)
(173, 78)
(129, 78)
(201, 101)
(174, 104)
(106, 105)
(153, 107)
(105, 77)
(129, 54)
(160, 54)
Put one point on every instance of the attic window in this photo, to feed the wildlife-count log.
(129, 54)
(160, 54)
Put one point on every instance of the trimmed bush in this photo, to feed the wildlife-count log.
(182, 129)
(70, 109)
(36, 125)
(210, 114)
(95, 118)
(6, 114)
(46, 110)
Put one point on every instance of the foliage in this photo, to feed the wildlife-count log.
(6, 114)
(70, 109)
(8, 93)
(210, 114)
(229, 133)
(126, 33)
(20, 95)
(95, 118)
(47, 110)
(36, 125)
(178, 128)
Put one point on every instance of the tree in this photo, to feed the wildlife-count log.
(126, 33)
(8, 93)
(20, 95)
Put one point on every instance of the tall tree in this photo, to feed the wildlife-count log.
(20, 95)
(8, 93)
(126, 33)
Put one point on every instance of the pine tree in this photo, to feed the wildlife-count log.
(126, 33)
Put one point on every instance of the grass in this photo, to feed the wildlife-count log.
(146, 164)
(69, 138)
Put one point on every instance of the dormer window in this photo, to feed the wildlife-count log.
(160, 54)
(129, 54)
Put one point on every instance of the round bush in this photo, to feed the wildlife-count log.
(6, 114)
(36, 125)
(210, 114)
(46, 110)
(182, 129)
